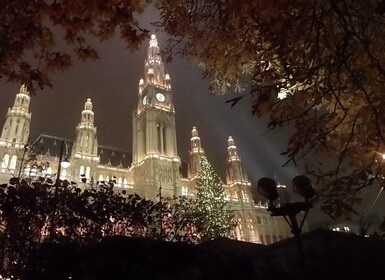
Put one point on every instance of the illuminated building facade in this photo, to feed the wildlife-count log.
(153, 167)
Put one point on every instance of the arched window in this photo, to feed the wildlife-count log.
(86, 141)
(125, 184)
(261, 238)
(239, 229)
(81, 171)
(144, 138)
(235, 196)
(12, 165)
(33, 172)
(49, 171)
(184, 191)
(250, 227)
(4, 163)
(27, 170)
(120, 182)
(63, 175)
(268, 241)
(245, 196)
(161, 137)
(100, 178)
(88, 172)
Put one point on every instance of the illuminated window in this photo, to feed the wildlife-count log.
(120, 182)
(88, 171)
(100, 178)
(4, 163)
(235, 196)
(81, 171)
(12, 165)
(268, 241)
(63, 175)
(184, 191)
(48, 172)
(250, 227)
(261, 238)
(161, 136)
(144, 138)
(33, 171)
(27, 170)
(239, 230)
(245, 196)
(125, 184)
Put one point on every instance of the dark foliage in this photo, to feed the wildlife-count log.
(36, 213)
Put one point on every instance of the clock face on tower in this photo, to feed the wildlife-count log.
(160, 97)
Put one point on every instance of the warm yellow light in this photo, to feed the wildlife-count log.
(65, 163)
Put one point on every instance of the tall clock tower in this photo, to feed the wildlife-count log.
(155, 166)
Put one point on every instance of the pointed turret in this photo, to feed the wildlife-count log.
(235, 172)
(86, 144)
(238, 187)
(154, 73)
(196, 152)
(17, 124)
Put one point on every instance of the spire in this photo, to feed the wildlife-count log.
(235, 172)
(23, 89)
(16, 127)
(153, 50)
(232, 150)
(196, 153)
(86, 145)
(154, 72)
(22, 99)
(87, 116)
(196, 146)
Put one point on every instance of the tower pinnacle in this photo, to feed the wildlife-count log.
(16, 127)
(85, 145)
(235, 172)
(196, 153)
(154, 73)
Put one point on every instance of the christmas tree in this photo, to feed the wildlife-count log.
(215, 219)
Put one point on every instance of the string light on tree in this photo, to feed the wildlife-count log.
(214, 216)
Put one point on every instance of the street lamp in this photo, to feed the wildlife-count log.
(63, 163)
(267, 187)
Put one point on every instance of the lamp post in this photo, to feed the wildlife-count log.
(63, 163)
(267, 187)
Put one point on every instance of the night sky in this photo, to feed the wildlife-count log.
(112, 84)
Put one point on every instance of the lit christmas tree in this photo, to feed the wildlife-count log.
(214, 216)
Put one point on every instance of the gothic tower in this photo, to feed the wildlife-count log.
(84, 156)
(238, 188)
(16, 128)
(196, 152)
(155, 163)
(15, 133)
